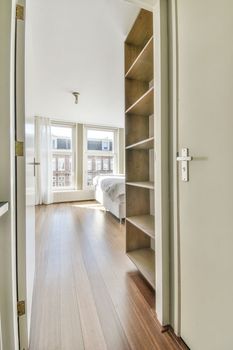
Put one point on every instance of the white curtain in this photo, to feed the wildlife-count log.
(43, 147)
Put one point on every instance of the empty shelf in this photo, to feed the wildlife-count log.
(142, 67)
(144, 105)
(144, 184)
(145, 223)
(142, 29)
(144, 259)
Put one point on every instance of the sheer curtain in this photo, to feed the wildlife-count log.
(44, 194)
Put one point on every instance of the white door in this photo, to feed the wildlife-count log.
(25, 191)
(205, 126)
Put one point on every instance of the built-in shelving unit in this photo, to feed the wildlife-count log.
(139, 140)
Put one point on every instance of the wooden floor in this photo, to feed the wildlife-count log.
(88, 294)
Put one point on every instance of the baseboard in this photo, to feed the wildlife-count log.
(72, 196)
(179, 341)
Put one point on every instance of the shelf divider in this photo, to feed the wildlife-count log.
(144, 105)
(145, 184)
(142, 66)
(144, 259)
(144, 144)
(145, 223)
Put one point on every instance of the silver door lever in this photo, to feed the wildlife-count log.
(184, 159)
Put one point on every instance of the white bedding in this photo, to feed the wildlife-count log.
(110, 191)
(113, 185)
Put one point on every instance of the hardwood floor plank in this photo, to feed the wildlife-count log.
(71, 328)
(46, 300)
(91, 328)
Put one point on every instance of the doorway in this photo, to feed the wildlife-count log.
(162, 154)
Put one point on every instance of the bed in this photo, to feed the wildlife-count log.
(110, 192)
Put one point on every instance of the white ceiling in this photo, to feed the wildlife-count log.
(77, 45)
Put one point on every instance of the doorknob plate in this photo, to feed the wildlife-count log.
(185, 158)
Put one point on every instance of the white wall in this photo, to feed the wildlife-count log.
(77, 45)
(7, 234)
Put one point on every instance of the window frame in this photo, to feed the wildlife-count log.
(71, 152)
(86, 152)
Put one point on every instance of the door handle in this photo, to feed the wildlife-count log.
(185, 158)
(34, 163)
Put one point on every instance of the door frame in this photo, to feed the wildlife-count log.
(174, 178)
(161, 121)
(20, 174)
(9, 330)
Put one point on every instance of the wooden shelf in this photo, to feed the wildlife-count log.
(144, 105)
(137, 128)
(142, 29)
(144, 259)
(4, 206)
(142, 67)
(144, 144)
(134, 90)
(144, 184)
(145, 223)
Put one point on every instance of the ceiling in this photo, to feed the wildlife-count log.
(77, 45)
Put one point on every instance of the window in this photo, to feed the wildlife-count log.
(61, 164)
(106, 145)
(98, 164)
(106, 162)
(89, 164)
(54, 164)
(111, 164)
(100, 146)
(63, 156)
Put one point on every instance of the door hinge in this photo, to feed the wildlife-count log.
(21, 308)
(20, 12)
(19, 148)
